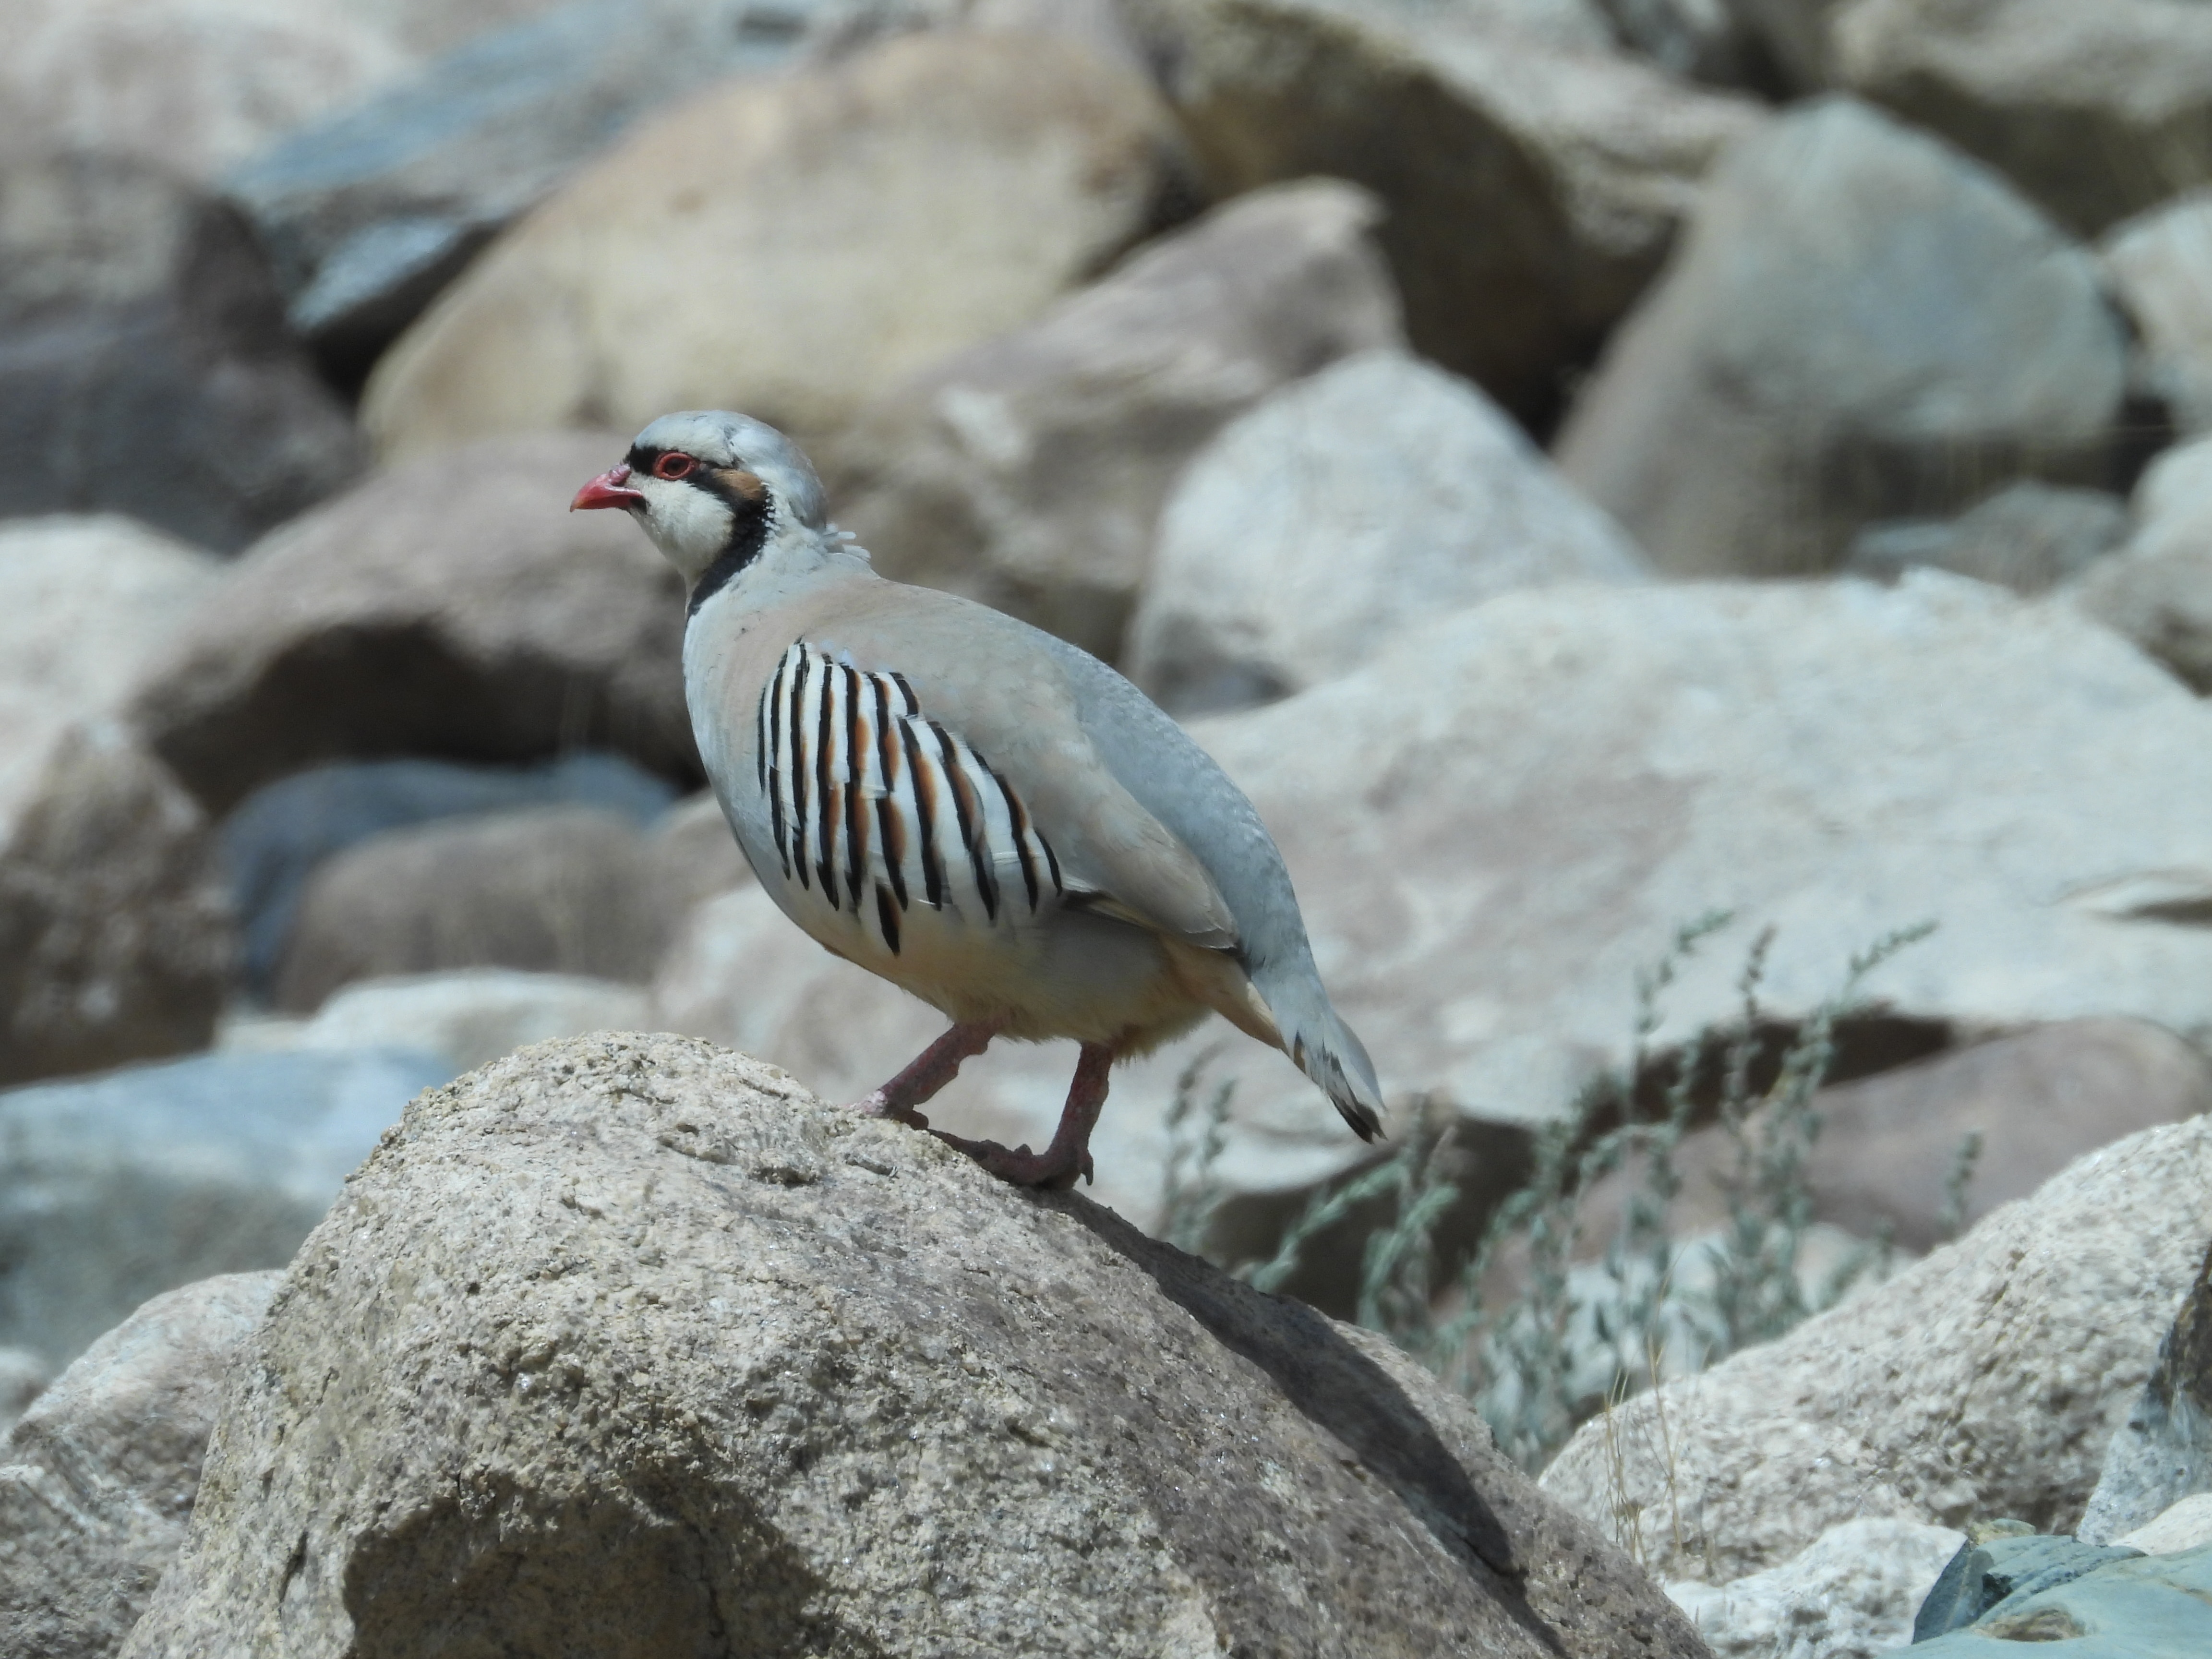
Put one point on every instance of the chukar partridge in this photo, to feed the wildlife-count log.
(980, 813)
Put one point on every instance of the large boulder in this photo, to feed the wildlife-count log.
(97, 1479)
(556, 889)
(452, 606)
(120, 1187)
(2160, 266)
(368, 214)
(1498, 824)
(1862, 324)
(793, 246)
(821, 1381)
(2158, 591)
(1985, 1381)
(1531, 189)
(144, 363)
(2095, 110)
(87, 602)
(1028, 472)
(1380, 493)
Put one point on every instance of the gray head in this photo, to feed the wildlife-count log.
(713, 490)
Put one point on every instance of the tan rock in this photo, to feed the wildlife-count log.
(1985, 1381)
(822, 1380)
(97, 1480)
(792, 247)
(1577, 165)
(452, 606)
(1028, 472)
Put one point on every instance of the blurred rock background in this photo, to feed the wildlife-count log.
(1580, 464)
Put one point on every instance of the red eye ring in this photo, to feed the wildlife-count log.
(672, 465)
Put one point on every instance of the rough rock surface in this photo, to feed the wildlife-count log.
(695, 1353)
(98, 1478)
(1578, 165)
(1862, 324)
(987, 474)
(2160, 266)
(2158, 592)
(145, 364)
(983, 173)
(369, 213)
(1850, 1594)
(2028, 536)
(452, 606)
(2094, 111)
(2163, 1453)
(555, 890)
(1984, 1381)
(118, 1188)
(1487, 867)
(1380, 493)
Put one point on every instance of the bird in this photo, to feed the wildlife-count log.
(980, 812)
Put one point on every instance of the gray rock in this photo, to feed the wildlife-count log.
(1697, 40)
(272, 843)
(694, 856)
(1849, 1595)
(2095, 112)
(2152, 1607)
(1862, 325)
(1319, 526)
(116, 1188)
(145, 364)
(2160, 266)
(1028, 472)
(1985, 1575)
(452, 607)
(1986, 1380)
(555, 890)
(2163, 1452)
(821, 1381)
(1577, 165)
(983, 174)
(469, 1017)
(2028, 536)
(98, 1478)
(23, 1378)
(2158, 592)
(369, 214)
(87, 602)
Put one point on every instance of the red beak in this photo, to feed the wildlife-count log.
(606, 490)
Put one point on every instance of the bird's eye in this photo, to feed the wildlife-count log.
(672, 465)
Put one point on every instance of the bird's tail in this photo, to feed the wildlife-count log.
(1327, 1050)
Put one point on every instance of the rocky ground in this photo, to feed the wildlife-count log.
(1580, 465)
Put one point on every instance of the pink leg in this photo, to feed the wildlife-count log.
(939, 1064)
(1069, 1155)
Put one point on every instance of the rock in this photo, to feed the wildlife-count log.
(370, 213)
(1989, 1572)
(1984, 1381)
(424, 28)
(1849, 1595)
(1578, 165)
(23, 1378)
(694, 856)
(453, 607)
(87, 603)
(559, 889)
(1862, 324)
(2028, 536)
(1486, 869)
(1697, 40)
(832, 1406)
(2095, 112)
(97, 1480)
(988, 473)
(192, 85)
(2160, 267)
(115, 941)
(145, 364)
(2158, 592)
(2149, 1607)
(2163, 1452)
(276, 838)
(982, 174)
(1380, 493)
(120, 1187)
(471, 1017)
(1792, 37)
(2187, 1525)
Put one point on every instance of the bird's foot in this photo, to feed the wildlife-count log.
(1056, 1167)
(878, 1103)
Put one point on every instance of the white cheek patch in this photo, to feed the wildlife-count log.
(690, 525)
